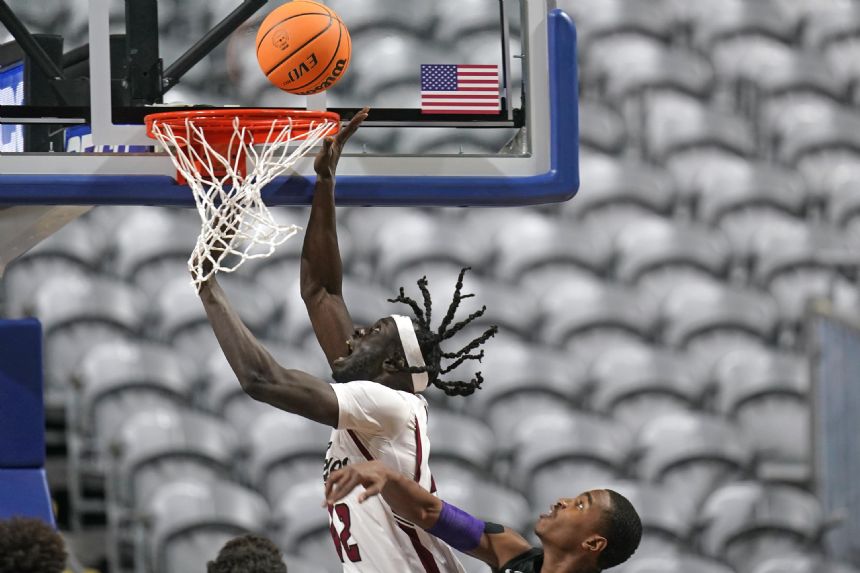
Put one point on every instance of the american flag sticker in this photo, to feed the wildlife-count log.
(450, 88)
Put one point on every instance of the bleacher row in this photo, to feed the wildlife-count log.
(652, 329)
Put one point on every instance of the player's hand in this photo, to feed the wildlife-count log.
(326, 161)
(372, 475)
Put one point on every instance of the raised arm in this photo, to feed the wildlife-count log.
(260, 375)
(492, 544)
(321, 266)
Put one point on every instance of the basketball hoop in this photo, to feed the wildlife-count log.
(211, 150)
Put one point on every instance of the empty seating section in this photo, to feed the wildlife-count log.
(651, 329)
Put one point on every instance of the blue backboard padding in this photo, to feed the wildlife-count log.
(560, 183)
(22, 417)
(24, 493)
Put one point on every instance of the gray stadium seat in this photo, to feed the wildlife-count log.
(22, 274)
(767, 397)
(153, 246)
(601, 18)
(649, 250)
(78, 312)
(667, 524)
(805, 132)
(691, 454)
(527, 242)
(802, 563)
(114, 381)
(626, 67)
(574, 449)
(584, 313)
(304, 525)
(299, 564)
(489, 501)
(673, 564)
(745, 522)
(601, 128)
(731, 185)
(634, 384)
(191, 520)
(681, 125)
(458, 18)
(460, 439)
(414, 18)
(274, 465)
(80, 241)
(405, 243)
(180, 313)
(708, 310)
(716, 21)
(608, 182)
(162, 445)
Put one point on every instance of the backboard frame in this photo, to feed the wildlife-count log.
(547, 172)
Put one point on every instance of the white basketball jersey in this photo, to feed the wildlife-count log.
(378, 423)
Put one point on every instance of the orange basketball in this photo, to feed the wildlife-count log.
(303, 47)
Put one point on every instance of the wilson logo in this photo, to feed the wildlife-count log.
(339, 67)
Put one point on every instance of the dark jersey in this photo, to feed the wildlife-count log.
(529, 562)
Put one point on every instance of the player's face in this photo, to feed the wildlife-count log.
(570, 521)
(367, 350)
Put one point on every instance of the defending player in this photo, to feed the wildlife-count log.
(374, 408)
(594, 531)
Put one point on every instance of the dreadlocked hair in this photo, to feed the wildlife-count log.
(430, 341)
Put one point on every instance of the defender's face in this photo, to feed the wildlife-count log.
(570, 521)
(367, 350)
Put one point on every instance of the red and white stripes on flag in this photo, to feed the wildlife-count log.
(464, 89)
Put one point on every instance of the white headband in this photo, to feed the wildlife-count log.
(411, 349)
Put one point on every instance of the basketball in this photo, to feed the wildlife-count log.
(303, 47)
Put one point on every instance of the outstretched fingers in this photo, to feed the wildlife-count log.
(344, 134)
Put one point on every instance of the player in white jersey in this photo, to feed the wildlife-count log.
(374, 406)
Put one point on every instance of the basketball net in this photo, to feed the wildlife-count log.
(235, 225)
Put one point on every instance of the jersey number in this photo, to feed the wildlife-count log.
(341, 540)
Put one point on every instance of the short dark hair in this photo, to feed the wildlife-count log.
(622, 529)
(29, 545)
(248, 554)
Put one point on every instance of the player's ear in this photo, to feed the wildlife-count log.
(595, 543)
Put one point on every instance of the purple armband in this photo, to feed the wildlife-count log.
(457, 528)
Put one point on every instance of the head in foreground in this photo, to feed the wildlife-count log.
(30, 545)
(406, 354)
(248, 554)
(600, 527)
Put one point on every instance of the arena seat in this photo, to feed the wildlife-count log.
(690, 454)
(680, 124)
(526, 243)
(21, 274)
(577, 313)
(802, 563)
(715, 21)
(701, 309)
(415, 19)
(459, 18)
(633, 384)
(607, 182)
(490, 502)
(80, 242)
(667, 526)
(191, 520)
(673, 564)
(155, 447)
(767, 397)
(654, 247)
(299, 517)
(549, 445)
(274, 465)
(748, 521)
(114, 381)
(601, 18)
(601, 128)
(729, 185)
(460, 439)
(298, 564)
(151, 247)
(625, 67)
(78, 312)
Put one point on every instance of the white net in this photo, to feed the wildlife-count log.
(236, 225)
